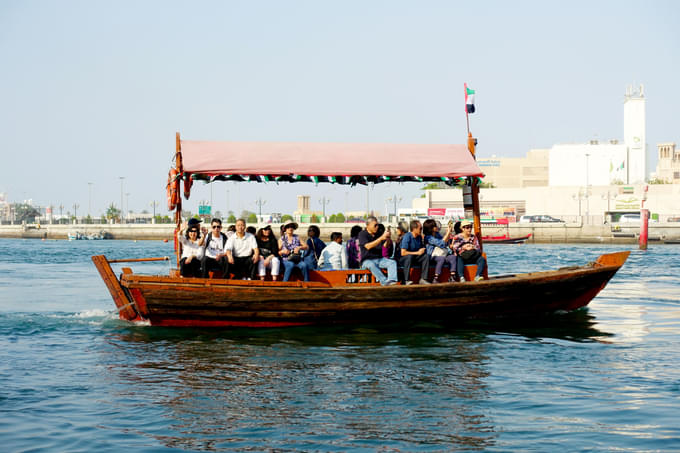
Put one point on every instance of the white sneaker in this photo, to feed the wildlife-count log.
(423, 282)
(462, 279)
(478, 278)
(390, 283)
(408, 282)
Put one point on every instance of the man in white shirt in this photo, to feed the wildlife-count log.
(214, 257)
(334, 255)
(242, 253)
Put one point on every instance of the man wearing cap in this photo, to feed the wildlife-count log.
(214, 257)
(242, 252)
(371, 253)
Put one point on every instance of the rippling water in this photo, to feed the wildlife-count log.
(74, 378)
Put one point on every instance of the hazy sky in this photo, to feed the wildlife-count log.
(92, 90)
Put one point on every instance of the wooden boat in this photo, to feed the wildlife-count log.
(505, 239)
(328, 298)
(348, 295)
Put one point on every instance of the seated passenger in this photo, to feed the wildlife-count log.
(269, 253)
(192, 249)
(466, 247)
(252, 230)
(214, 257)
(314, 246)
(402, 229)
(387, 247)
(242, 252)
(334, 255)
(413, 251)
(371, 253)
(438, 249)
(353, 249)
(291, 251)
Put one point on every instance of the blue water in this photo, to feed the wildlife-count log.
(74, 378)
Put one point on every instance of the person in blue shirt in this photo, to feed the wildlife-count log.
(315, 247)
(414, 253)
(438, 249)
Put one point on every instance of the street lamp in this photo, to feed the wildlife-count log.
(127, 206)
(122, 178)
(324, 202)
(89, 200)
(260, 202)
(153, 204)
(587, 188)
(75, 211)
(394, 199)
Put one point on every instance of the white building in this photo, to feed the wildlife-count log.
(596, 163)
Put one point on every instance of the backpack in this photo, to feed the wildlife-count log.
(207, 241)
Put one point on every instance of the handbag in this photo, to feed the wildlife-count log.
(438, 251)
(295, 258)
(470, 255)
(265, 252)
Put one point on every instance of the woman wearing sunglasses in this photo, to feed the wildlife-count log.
(192, 250)
(466, 247)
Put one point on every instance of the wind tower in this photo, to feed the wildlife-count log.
(634, 135)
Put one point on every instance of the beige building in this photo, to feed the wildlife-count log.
(570, 203)
(668, 166)
(508, 172)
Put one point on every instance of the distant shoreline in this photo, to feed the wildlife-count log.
(540, 233)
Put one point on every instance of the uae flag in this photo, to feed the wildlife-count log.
(469, 100)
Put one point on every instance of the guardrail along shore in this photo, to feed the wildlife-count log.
(540, 232)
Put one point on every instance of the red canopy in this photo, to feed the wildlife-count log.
(368, 160)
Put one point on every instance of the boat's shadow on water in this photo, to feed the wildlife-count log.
(578, 326)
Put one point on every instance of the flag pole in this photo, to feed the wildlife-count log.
(474, 187)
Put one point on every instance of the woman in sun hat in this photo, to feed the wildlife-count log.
(291, 251)
(466, 247)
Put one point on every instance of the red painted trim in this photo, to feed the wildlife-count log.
(216, 323)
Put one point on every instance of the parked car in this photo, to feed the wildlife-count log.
(633, 218)
(629, 218)
(673, 219)
(539, 219)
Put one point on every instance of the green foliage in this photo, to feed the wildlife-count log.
(658, 181)
(333, 218)
(112, 212)
(231, 219)
(252, 218)
(314, 219)
(286, 218)
(340, 217)
(25, 212)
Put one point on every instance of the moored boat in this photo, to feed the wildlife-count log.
(506, 239)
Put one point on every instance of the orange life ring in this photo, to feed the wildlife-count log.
(173, 189)
(188, 182)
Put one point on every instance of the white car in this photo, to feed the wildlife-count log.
(633, 218)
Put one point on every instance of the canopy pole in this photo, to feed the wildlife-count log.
(474, 189)
(178, 208)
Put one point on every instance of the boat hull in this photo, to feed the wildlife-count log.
(168, 301)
